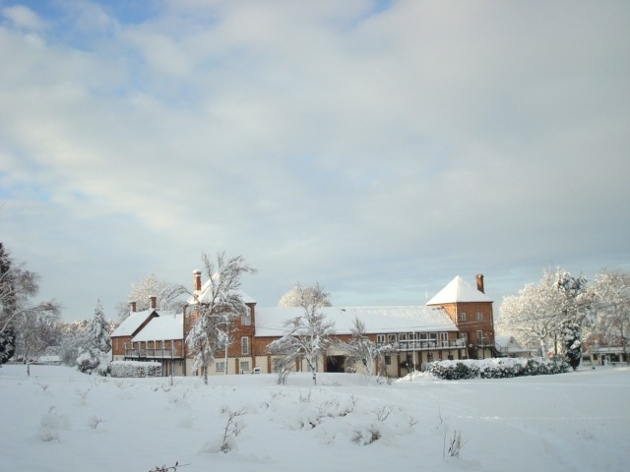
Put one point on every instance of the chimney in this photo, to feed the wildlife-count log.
(132, 307)
(196, 280)
(480, 287)
(152, 302)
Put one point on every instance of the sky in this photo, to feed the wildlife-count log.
(379, 148)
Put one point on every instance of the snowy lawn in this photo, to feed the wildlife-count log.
(61, 420)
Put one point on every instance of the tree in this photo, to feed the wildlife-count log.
(549, 315)
(532, 315)
(168, 296)
(364, 351)
(574, 301)
(98, 330)
(308, 336)
(612, 309)
(213, 311)
(298, 296)
(20, 321)
(36, 330)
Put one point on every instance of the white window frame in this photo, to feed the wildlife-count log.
(461, 316)
(219, 366)
(245, 345)
(244, 366)
(479, 316)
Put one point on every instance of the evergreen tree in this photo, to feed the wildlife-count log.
(98, 330)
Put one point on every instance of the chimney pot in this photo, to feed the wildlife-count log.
(480, 287)
(132, 306)
(153, 302)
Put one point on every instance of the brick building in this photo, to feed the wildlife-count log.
(457, 323)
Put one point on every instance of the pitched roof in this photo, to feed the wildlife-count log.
(168, 326)
(457, 291)
(377, 319)
(132, 323)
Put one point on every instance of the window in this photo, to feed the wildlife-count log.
(244, 366)
(388, 360)
(245, 345)
(246, 318)
(380, 339)
(391, 338)
(444, 339)
(462, 316)
(479, 316)
(402, 336)
(479, 336)
(219, 366)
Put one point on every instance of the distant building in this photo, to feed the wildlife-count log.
(455, 324)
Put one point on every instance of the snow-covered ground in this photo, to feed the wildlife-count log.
(61, 420)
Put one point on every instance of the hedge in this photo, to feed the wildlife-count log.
(135, 369)
(495, 368)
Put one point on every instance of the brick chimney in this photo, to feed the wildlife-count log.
(132, 307)
(479, 279)
(152, 302)
(196, 280)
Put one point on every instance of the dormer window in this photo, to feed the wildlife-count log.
(246, 319)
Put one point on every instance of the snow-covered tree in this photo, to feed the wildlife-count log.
(73, 340)
(298, 296)
(308, 336)
(612, 307)
(98, 330)
(168, 296)
(214, 311)
(36, 330)
(548, 315)
(532, 316)
(575, 301)
(362, 350)
(22, 322)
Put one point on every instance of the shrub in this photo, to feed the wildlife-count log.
(496, 368)
(135, 369)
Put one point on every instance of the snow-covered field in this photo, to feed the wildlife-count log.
(61, 420)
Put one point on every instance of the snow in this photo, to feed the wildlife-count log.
(457, 291)
(167, 326)
(203, 295)
(378, 319)
(132, 323)
(62, 420)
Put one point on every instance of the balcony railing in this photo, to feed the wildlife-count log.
(158, 353)
(427, 345)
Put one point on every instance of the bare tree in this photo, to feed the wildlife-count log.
(362, 350)
(612, 309)
(168, 295)
(30, 326)
(213, 311)
(35, 332)
(298, 296)
(308, 336)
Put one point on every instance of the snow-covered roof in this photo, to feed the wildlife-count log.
(202, 296)
(377, 319)
(457, 291)
(132, 323)
(508, 343)
(168, 326)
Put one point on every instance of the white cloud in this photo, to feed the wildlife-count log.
(377, 151)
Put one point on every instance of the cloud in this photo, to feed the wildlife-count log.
(381, 151)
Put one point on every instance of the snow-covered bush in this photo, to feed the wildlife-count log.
(87, 361)
(496, 368)
(51, 424)
(135, 369)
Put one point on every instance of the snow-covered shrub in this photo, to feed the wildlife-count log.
(51, 424)
(87, 361)
(495, 368)
(135, 369)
